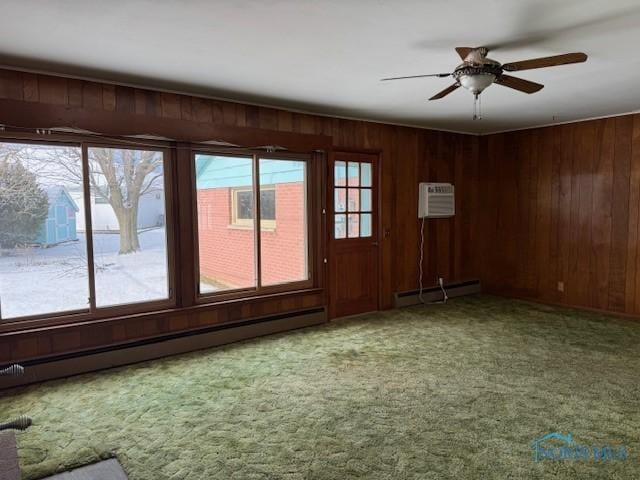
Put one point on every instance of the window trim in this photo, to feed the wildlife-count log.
(93, 313)
(312, 217)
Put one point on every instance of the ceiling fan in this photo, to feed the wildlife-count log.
(477, 72)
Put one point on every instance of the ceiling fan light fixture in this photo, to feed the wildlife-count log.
(476, 82)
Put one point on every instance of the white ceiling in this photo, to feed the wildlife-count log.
(328, 56)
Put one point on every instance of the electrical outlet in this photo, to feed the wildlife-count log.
(561, 286)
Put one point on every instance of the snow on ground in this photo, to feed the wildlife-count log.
(48, 280)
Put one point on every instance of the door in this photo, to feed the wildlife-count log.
(62, 226)
(353, 237)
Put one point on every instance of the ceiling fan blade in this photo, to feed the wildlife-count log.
(445, 92)
(519, 84)
(441, 75)
(543, 62)
(463, 51)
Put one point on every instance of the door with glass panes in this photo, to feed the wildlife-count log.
(353, 222)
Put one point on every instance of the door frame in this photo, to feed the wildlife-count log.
(377, 208)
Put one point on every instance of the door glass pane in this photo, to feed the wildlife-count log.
(226, 227)
(365, 200)
(283, 238)
(354, 225)
(365, 174)
(365, 225)
(128, 225)
(340, 199)
(354, 200)
(353, 174)
(43, 260)
(340, 226)
(340, 174)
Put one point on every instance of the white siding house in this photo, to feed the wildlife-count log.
(150, 212)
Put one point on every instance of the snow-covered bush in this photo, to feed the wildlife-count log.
(23, 205)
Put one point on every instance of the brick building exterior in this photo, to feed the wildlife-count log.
(227, 251)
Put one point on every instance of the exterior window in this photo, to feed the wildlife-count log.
(129, 232)
(43, 245)
(283, 204)
(51, 251)
(242, 207)
(227, 233)
(267, 206)
(224, 202)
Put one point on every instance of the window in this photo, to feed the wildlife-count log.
(224, 200)
(352, 203)
(129, 233)
(283, 250)
(59, 255)
(242, 207)
(227, 233)
(43, 245)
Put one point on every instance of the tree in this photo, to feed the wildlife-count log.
(24, 206)
(118, 176)
(121, 177)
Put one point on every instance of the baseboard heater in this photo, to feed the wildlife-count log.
(434, 294)
(75, 363)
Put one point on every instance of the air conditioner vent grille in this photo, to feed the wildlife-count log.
(437, 200)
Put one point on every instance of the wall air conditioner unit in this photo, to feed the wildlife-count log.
(436, 200)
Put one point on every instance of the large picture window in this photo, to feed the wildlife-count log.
(128, 224)
(43, 245)
(233, 253)
(86, 229)
(82, 228)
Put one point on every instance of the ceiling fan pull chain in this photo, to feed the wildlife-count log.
(475, 107)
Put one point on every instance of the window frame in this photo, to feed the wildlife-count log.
(348, 210)
(93, 313)
(312, 220)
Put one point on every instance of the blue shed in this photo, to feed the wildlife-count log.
(60, 225)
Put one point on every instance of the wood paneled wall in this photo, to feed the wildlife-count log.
(408, 155)
(534, 207)
(449, 243)
(562, 204)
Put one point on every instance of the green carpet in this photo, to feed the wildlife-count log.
(444, 391)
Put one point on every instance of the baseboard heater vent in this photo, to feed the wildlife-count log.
(434, 294)
(65, 365)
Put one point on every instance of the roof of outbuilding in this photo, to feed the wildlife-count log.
(54, 191)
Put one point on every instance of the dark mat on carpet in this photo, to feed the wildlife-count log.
(106, 470)
(9, 469)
